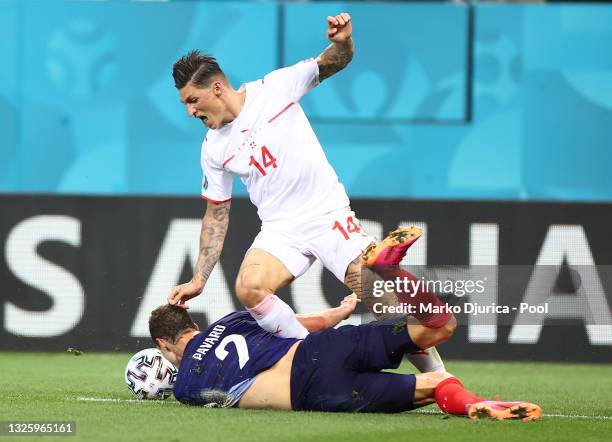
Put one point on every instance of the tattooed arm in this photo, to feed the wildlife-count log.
(338, 54)
(212, 236)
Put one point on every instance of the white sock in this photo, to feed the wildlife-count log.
(427, 360)
(275, 316)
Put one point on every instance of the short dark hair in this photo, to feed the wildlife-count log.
(196, 68)
(169, 322)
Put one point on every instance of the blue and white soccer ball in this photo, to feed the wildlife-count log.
(149, 375)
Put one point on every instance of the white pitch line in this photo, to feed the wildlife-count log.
(565, 416)
(578, 416)
(139, 401)
(108, 399)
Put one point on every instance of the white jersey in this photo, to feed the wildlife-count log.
(273, 149)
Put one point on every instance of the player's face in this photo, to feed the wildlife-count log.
(204, 103)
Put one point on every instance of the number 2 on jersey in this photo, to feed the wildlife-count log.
(267, 159)
(241, 348)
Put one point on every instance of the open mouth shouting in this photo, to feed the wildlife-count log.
(204, 119)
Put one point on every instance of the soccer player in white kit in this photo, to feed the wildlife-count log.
(260, 133)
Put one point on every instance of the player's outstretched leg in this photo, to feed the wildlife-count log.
(383, 258)
(452, 398)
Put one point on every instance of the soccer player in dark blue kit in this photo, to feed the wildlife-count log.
(236, 363)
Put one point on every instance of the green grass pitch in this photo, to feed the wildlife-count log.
(576, 399)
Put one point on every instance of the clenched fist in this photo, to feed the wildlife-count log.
(339, 28)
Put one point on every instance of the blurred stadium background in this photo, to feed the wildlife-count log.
(487, 123)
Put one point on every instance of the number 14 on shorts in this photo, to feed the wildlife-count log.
(352, 226)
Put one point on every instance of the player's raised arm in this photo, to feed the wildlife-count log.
(340, 52)
(212, 236)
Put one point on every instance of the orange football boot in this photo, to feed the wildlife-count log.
(391, 250)
(499, 410)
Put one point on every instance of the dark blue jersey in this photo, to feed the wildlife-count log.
(220, 363)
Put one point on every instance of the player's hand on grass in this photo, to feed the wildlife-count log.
(180, 294)
(349, 304)
(339, 28)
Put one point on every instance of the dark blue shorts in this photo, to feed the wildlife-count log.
(339, 369)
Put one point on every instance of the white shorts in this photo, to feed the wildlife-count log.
(335, 239)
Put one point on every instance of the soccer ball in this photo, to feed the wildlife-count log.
(149, 375)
